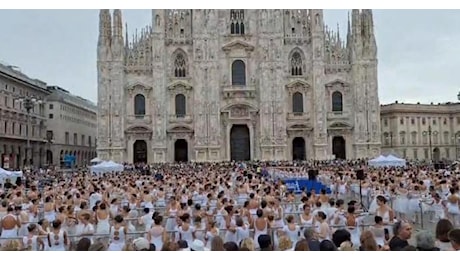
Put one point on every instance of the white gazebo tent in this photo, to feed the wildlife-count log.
(11, 175)
(387, 161)
(105, 167)
(380, 161)
(95, 161)
(395, 161)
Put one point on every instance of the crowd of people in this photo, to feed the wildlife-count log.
(232, 207)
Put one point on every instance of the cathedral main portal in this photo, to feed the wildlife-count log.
(140, 151)
(240, 143)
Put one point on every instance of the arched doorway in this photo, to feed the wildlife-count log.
(49, 157)
(338, 147)
(181, 150)
(240, 146)
(436, 154)
(298, 149)
(140, 151)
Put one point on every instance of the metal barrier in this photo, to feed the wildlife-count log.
(105, 238)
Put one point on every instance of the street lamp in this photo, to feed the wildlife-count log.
(425, 133)
(28, 103)
(49, 141)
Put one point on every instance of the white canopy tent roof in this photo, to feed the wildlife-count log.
(96, 160)
(105, 167)
(11, 175)
(387, 161)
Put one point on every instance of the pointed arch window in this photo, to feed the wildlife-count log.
(237, 22)
(181, 109)
(139, 105)
(337, 102)
(238, 73)
(296, 64)
(180, 66)
(297, 103)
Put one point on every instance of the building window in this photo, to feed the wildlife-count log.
(82, 140)
(385, 122)
(446, 137)
(139, 105)
(447, 153)
(337, 102)
(425, 138)
(75, 139)
(50, 116)
(423, 121)
(402, 138)
(296, 64)
(20, 129)
(180, 66)
(67, 141)
(297, 103)
(426, 153)
(435, 138)
(414, 138)
(180, 103)
(401, 121)
(237, 21)
(238, 73)
(445, 121)
(89, 141)
(415, 154)
(51, 106)
(434, 121)
(404, 153)
(13, 128)
(386, 139)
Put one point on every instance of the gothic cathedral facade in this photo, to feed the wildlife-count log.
(222, 85)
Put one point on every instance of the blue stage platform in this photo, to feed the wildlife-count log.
(299, 184)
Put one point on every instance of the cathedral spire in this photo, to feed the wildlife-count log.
(117, 24)
(105, 27)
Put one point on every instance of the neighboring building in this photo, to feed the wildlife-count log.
(421, 131)
(72, 127)
(15, 126)
(220, 85)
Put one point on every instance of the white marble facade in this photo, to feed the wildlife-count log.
(217, 85)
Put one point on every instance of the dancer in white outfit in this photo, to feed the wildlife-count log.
(117, 235)
(57, 239)
(10, 224)
(157, 234)
(102, 216)
(32, 242)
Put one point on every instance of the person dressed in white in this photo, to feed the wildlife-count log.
(453, 210)
(157, 235)
(212, 232)
(186, 231)
(146, 220)
(323, 230)
(102, 217)
(85, 228)
(292, 230)
(57, 239)
(32, 242)
(117, 234)
(260, 227)
(10, 224)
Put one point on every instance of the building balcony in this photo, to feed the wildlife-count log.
(298, 116)
(338, 115)
(139, 119)
(239, 92)
(180, 119)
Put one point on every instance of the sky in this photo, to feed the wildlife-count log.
(418, 51)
